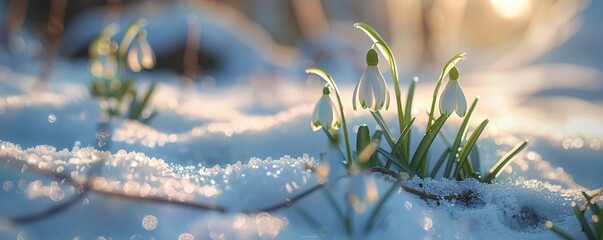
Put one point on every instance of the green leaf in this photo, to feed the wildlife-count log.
(497, 169)
(403, 165)
(400, 142)
(463, 156)
(459, 138)
(374, 161)
(421, 152)
(585, 228)
(136, 107)
(363, 139)
(598, 226)
(408, 109)
(474, 158)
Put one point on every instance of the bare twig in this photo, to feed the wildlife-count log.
(423, 195)
(87, 186)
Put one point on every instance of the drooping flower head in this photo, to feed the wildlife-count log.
(141, 54)
(371, 91)
(453, 98)
(324, 115)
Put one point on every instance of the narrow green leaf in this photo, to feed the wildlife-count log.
(363, 138)
(145, 100)
(585, 228)
(399, 143)
(474, 158)
(374, 161)
(459, 138)
(403, 165)
(423, 148)
(439, 163)
(598, 226)
(463, 159)
(408, 109)
(497, 169)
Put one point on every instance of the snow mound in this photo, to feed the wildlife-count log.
(239, 192)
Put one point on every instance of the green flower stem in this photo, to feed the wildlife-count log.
(324, 75)
(387, 52)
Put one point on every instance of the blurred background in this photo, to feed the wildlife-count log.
(234, 37)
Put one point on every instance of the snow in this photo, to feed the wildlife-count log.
(510, 208)
(214, 161)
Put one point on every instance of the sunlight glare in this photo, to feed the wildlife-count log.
(511, 9)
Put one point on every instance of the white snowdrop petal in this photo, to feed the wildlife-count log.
(447, 99)
(324, 115)
(335, 120)
(384, 92)
(148, 57)
(371, 92)
(325, 111)
(133, 61)
(374, 92)
(461, 102)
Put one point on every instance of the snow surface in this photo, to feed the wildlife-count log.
(246, 146)
(208, 159)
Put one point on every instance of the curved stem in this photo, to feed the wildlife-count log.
(451, 63)
(324, 75)
(387, 52)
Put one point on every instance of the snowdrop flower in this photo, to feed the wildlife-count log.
(324, 115)
(453, 99)
(141, 54)
(371, 91)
